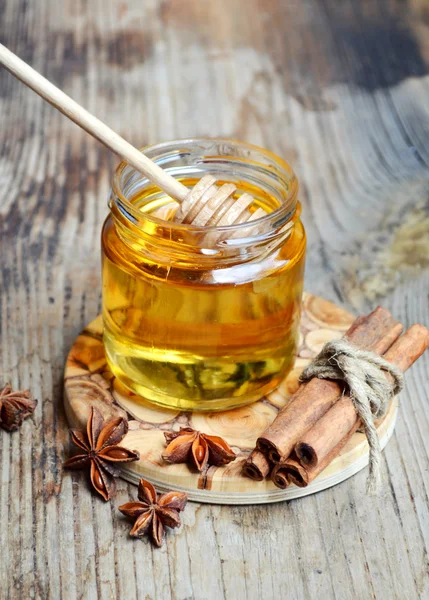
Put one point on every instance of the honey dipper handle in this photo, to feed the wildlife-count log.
(91, 124)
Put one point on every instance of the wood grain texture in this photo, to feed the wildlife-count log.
(340, 90)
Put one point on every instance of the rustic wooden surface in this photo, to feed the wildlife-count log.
(340, 89)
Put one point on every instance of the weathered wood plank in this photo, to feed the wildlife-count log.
(339, 89)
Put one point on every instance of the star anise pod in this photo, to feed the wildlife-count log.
(198, 449)
(101, 451)
(15, 407)
(154, 512)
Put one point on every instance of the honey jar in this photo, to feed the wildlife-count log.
(203, 318)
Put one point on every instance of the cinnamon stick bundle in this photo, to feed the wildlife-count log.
(323, 442)
(375, 332)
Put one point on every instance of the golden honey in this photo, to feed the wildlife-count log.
(194, 318)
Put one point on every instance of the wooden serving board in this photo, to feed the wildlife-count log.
(89, 382)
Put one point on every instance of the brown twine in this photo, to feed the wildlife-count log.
(362, 372)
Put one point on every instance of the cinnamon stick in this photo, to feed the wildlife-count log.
(321, 444)
(256, 466)
(319, 441)
(292, 471)
(375, 332)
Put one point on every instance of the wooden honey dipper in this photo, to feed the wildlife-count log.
(205, 205)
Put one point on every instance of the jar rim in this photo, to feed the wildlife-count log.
(286, 208)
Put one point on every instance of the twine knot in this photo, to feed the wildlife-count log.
(362, 372)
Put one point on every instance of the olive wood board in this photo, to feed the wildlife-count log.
(89, 382)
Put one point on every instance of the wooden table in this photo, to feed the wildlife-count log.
(340, 89)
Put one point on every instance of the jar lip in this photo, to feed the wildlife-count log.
(287, 208)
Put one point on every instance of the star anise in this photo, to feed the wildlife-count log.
(101, 451)
(198, 449)
(15, 407)
(154, 512)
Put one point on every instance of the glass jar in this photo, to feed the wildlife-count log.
(203, 318)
